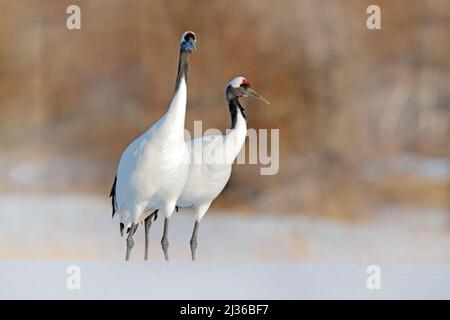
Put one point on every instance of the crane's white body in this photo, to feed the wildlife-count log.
(153, 169)
(207, 178)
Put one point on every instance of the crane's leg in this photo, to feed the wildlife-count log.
(164, 240)
(130, 242)
(148, 224)
(200, 211)
(194, 239)
(167, 211)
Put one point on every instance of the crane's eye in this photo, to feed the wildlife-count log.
(188, 36)
(245, 83)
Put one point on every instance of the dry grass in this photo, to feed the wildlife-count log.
(342, 96)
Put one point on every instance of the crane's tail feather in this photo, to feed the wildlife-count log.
(127, 220)
(112, 195)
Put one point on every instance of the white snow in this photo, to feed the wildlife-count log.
(58, 227)
(255, 256)
(212, 280)
(436, 169)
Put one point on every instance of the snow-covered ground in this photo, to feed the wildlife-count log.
(214, 280)
(435, 169)
(258, 256)
(68, 227)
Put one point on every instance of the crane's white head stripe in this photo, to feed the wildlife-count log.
(237, 81)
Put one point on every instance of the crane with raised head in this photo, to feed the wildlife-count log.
(154, 168)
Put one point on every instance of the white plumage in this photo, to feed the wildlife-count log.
(153, 169)
(212, 157)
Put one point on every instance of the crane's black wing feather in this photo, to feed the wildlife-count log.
(112, 195)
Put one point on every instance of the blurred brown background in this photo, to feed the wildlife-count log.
(363, 115)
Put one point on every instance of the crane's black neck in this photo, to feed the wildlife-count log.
(235, 107)
(182, 69)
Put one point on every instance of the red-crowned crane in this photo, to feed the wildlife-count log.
(212, 156)
(153, 169)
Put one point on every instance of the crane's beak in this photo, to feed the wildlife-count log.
(253, 94)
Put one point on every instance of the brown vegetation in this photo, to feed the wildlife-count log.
(343, 97)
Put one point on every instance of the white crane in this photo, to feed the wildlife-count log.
(212, 157)
(153, 169)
